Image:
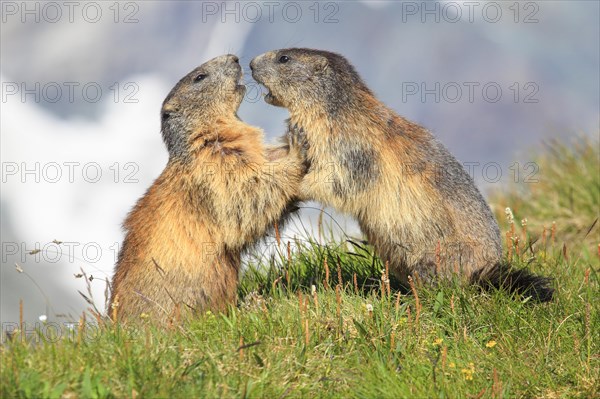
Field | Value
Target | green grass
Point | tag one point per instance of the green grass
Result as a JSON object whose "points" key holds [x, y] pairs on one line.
{"points": [[561, 185], [346, 340]]}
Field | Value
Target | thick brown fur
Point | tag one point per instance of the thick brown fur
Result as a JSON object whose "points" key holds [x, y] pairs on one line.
{"points": [[221, 190], [413, 200]]}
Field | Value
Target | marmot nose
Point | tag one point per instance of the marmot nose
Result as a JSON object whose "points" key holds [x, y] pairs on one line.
{"points": [[234, 58], [252, 65]]}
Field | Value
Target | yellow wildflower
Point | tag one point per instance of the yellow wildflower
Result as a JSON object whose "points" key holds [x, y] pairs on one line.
{"points": [[468, 373], [491, 344]]}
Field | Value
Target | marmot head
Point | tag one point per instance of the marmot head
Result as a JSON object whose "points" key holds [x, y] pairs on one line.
{"points": [[211, 91], [301, 79]]}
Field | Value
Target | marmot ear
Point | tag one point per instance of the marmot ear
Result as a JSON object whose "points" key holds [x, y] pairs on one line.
{"points": [[321, 64]]}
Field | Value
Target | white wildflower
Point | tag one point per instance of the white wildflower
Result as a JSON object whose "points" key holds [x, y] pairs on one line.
{"points": [[509, 215]]}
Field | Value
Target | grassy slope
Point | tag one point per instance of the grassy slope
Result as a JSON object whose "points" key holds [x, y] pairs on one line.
{"points": [[453, 341]]}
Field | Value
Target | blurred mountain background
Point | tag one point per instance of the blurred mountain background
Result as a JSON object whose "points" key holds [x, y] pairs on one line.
{"points": [[82, 85]]}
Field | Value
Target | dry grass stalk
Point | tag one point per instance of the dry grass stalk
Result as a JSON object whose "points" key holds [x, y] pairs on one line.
{"points": [[98, 316], [496, 385], [307, 332], [417, 301], [277, 234], [576, 343], [438, 259], [338, 299], [315, 298], [509, 246], [289, 264], [148, 337], [397, 306], [544, 233], [339, 272], [241, 348], [301, 303], [320, 223], [278, 279], [326, 282], [174, 317], [444, 356], [387, 278], [114, 308], [80, 328]]}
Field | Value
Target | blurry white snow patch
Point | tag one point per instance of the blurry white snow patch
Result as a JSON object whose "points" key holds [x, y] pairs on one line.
{"points": [[75, 180]]}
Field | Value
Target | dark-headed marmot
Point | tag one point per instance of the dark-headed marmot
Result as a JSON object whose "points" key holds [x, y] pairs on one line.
{"points": [[217, 194], [411, 197]]}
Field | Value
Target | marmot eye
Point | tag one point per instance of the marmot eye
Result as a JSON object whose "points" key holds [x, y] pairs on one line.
{"points": [[200, 77], [283, 59]]}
